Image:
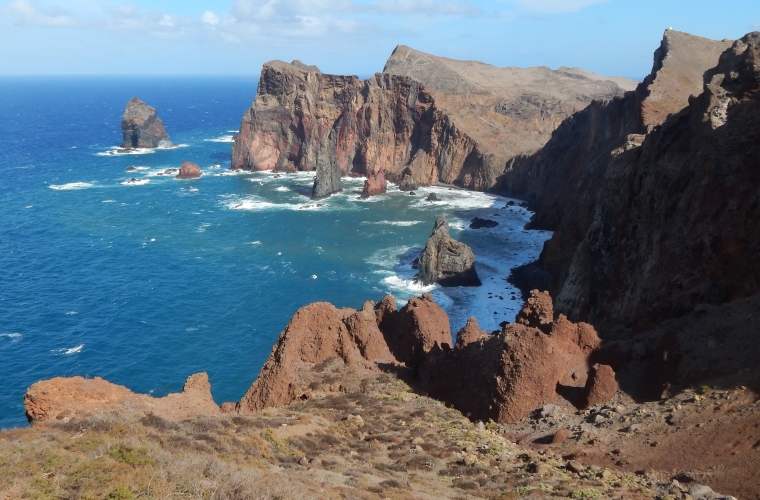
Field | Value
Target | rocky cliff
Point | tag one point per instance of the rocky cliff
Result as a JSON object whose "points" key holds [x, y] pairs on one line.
{"points": [[677, 219], [445, 260], [453, 121], [141, 126], [564, 178]]}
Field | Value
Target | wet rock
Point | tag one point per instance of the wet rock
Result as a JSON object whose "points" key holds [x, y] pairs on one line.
{"points": [[131, 169], [408, 184], [447, 261], [478, 223], [374, 185], [141, 127], [189, 170], [432, 197]]}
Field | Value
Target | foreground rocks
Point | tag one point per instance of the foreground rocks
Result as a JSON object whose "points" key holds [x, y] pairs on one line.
{"points": [[141, 127], [445, 260], [60, 398], [188, 170]]}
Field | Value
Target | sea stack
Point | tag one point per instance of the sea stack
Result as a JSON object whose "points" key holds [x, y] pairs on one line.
{"points": [[327, 180], [446, 261], [141, 126], [189, 170], [375, 184]]}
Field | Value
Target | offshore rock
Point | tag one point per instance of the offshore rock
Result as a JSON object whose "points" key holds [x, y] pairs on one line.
{"points": [[446, 261], [141, 127], [327, 181], [68, 397], [419, 130], [479, 223], [189, 170], [374, 185]]}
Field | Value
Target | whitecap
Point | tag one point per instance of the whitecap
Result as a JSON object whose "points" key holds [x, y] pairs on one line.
{"points": [[223, 138], [402, 223], [124, 152], [109, 201], [69, 351], [15, 337], [255, 243], [30, 206], [313, 276], [71, 186], [71, 313], [202, 227], [136, 182], [282, 189], [408, 286]]}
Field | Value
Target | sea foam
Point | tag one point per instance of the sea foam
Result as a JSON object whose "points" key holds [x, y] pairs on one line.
{"points": [[71, 186]]}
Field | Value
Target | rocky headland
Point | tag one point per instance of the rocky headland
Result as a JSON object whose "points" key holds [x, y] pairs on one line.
{"points": [[141, 126], [633, 376]]}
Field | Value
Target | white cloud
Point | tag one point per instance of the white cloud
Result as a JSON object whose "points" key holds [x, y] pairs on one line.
{"points": [[210, 18], [167, 20], [556, 6], [26, 12]]}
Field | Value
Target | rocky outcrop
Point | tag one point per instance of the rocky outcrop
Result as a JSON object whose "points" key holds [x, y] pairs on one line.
{"points": [[580, 155], [479, 223], [189, 170], [445, 260], [417, 133], [374, 185], [676, 219], [60, 398], [141, 127], [505, 376]]}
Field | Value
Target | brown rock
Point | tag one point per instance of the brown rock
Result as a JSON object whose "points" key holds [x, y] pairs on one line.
{"points": [[470, 333], [418, 327], [561, 436], [141, 127], [374, 185], [538, 311], [189, 170], [445, 260], [78, 397], [601, 386]]}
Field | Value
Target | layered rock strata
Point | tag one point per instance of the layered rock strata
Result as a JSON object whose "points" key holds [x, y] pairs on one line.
{"points": [[428, 132], [63, 397], [565, 180], [445, 260], [141, 127], [189, 170]]}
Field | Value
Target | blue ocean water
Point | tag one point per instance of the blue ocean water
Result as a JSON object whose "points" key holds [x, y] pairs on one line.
{"points": [[145, 283]]}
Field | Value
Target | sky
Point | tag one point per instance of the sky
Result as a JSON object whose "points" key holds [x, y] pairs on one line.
{"points": [[235, 37]]}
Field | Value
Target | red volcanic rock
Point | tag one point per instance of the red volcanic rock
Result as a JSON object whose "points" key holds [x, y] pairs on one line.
{"points": [[189, 170], [414, 330], [561, 436], [60, 397], [316, 333], [601, 386], [375, 184], [504, 377], [469, 333], [141, 127], [537, 312]]}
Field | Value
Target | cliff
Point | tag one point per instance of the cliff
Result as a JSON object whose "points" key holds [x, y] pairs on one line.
{"points": [[425, 118], [141, 127], [564, 178]]}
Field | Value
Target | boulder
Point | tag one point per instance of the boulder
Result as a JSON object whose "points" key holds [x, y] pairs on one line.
{"points": [[601, 386], [67, 397], [432, 197], [478, 223], [375, 184], [189, 170], [141, 127], [447, 261], [408, 184]]}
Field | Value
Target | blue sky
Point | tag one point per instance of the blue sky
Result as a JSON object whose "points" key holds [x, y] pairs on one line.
{"points": [[235, 37]]}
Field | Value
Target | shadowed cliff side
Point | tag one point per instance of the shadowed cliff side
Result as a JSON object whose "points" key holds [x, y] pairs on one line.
{"points": [[565, 177]]}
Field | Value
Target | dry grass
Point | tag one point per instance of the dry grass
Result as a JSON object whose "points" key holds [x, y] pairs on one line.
{"points": [[404, 446]]}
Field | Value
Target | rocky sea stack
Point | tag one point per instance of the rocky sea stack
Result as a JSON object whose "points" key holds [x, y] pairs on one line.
{"points": [[446, 261], [189, 170], [141, 126]]}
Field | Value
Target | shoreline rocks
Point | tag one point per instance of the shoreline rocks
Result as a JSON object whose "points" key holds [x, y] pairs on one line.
{"points": [[374, 185], [141, 127], [478, 223], [446, 261]]}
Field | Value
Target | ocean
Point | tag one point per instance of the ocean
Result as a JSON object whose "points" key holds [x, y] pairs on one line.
{"points": [[148, 282]]}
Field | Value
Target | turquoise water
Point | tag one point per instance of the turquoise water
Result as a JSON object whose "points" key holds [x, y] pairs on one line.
{"points": [[146, 283]]}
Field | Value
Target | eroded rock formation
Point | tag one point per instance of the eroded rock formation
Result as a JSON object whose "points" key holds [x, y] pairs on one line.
{"points": [[417, 133], [141, 127], [445, 260], [374, 185], [63, 397], [189, 170]]}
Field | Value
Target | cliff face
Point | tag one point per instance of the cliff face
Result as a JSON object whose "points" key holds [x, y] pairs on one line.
{"points": [[565, 177], [141, 127], [432, 131], [677, 219]]}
